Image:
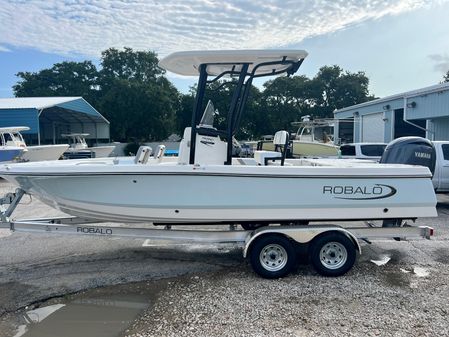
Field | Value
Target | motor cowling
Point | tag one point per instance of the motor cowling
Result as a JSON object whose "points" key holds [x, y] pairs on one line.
{"points": [[412, 151]]}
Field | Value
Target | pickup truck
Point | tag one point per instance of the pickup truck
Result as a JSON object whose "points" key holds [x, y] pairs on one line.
{"points": [[441, 175], [371, 151]]}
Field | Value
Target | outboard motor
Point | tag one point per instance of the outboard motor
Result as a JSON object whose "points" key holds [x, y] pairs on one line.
{"points": [[412, 151]]}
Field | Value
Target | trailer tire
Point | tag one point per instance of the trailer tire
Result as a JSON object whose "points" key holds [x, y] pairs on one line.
{"points": [[332, 254], [272, 256]]}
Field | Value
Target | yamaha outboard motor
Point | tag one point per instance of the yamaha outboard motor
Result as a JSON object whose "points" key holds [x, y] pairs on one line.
{"points": [[412, 151]]}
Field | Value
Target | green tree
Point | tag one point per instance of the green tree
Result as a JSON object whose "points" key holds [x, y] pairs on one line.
{"points": [[184, 113], [63, 79], [130, 65], [250, 123], [130, 90], [285, 100], [334, 88], [135, 96]]}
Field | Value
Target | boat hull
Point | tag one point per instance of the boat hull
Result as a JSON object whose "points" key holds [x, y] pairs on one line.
{"points": [[44, 152], [102, 151], [188, 194], [8, 154], [306, 149]]}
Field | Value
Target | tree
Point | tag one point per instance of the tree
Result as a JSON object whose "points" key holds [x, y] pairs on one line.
{"points": [[221, 94], [129, 90], [130, 65], [284, 100], [446, 77], [63, 79], [184, 113], [135, 96], [335, 89]]}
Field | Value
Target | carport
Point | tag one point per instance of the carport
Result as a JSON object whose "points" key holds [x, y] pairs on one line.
{"points": [[49, 117]]}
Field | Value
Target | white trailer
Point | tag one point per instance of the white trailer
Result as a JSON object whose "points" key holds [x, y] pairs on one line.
{"points": [[271, 250]]}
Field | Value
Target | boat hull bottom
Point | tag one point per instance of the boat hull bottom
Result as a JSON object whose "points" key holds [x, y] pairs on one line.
{"points": [[238, 215]]}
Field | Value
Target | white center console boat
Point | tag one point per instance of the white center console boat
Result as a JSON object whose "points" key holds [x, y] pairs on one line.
{"points": [[79, 149], [13, 138], [206, 185]]}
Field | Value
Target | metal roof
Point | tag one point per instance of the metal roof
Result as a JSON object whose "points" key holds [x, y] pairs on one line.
{"points": [[34, 102], [412, 93], [55, 108]]}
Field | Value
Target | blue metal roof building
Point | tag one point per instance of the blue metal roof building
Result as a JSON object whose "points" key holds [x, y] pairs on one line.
{"points": [[49, 117], [423, 112]]}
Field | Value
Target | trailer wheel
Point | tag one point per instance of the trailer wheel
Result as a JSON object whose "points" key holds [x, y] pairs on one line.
{"points": [[332, 254], [272, 256]]}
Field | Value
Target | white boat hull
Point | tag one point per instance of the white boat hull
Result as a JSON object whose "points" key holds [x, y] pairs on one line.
{"points": [[193, 194], [44, 152], [102, 151]]}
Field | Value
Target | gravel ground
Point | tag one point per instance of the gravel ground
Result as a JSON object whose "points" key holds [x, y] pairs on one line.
{"points": [[369, 301]]}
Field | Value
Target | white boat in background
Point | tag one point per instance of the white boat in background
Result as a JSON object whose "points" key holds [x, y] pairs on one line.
{"points": [[13, 139], [8, 152], [204, 184], [79, 149], [313, 139]]}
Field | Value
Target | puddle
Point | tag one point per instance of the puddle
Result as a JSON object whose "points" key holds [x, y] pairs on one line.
{"points": [[104, 312]]}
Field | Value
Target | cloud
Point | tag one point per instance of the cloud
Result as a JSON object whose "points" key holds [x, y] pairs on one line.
{"points": [[86, 27], [441, 62], [4, 49]]}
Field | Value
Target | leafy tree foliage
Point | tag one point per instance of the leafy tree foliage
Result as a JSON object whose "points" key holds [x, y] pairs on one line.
{"points": [[284, 100], [287, 99], [131, 91], [251, 122], [63, 79], [137, 99], [336, 89], [126, 64]]}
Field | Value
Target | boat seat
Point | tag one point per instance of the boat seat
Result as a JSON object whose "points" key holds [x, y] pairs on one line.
{"points": [[281, 141], [263, 157], [143, 154]]}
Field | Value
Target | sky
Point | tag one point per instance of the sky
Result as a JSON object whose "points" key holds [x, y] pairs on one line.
{"points": [[401, 44]]}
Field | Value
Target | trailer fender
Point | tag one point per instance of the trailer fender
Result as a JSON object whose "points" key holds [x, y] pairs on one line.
{"points": [[299, 234]]}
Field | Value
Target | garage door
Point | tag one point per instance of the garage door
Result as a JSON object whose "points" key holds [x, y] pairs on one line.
{"points": [[373, 128]]}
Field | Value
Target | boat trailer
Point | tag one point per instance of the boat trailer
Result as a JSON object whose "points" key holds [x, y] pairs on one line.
{"points": [[271, 250]]}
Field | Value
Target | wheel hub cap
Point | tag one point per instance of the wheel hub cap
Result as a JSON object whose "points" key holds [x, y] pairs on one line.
{"points": [[273, 257], [333, 255]]}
